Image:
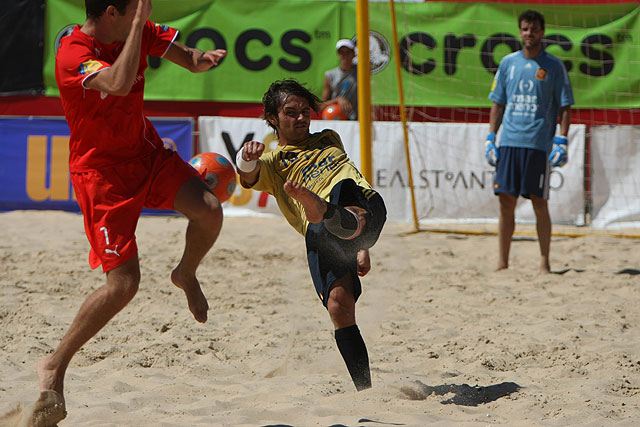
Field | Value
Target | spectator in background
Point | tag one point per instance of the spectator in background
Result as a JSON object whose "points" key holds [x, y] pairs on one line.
{"points": [[341, 83], [531, 91]]}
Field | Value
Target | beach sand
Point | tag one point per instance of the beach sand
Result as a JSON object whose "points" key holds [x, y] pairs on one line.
{"points": [[451, 342]]}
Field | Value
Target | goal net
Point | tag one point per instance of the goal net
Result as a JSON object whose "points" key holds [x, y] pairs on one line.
{"points": [[449, 52]]}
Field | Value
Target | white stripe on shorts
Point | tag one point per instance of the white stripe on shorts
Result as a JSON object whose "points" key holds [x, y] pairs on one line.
{"points": [[544, 182]]}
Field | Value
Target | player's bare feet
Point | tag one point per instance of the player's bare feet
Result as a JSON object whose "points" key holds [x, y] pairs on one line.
{"points": [[362, 218], [503, 262], [314, 206], [364, 262], [545, 267], [47, 411], [49, 408], [48, 377], [196, 300]]}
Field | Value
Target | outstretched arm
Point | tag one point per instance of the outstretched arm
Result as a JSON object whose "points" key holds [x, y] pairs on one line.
{"points": [[247, 162], [193, 59], [120, 77]]}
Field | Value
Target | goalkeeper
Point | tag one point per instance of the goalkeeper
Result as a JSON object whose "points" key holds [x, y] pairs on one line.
{"points": [[326, 199], [531, 91]]}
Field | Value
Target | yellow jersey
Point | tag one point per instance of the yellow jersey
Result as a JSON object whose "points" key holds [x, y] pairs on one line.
{"points": [[318, 163]]}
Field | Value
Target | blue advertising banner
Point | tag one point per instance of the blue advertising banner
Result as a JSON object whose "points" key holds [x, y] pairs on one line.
{"points": [[34, 160]]}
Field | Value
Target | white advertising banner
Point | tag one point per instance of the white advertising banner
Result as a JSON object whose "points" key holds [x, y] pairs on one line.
{"points": [[452, 181], [615, 164]]}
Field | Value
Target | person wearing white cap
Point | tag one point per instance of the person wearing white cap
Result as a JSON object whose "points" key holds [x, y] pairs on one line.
{"points": [[341, 83]]}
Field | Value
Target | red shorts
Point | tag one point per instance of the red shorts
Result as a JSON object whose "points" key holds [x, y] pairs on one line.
{"points": [[112, 199]]}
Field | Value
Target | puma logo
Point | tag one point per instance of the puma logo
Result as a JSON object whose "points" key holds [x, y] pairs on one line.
{"points": [[106, 238], [114, 251]]}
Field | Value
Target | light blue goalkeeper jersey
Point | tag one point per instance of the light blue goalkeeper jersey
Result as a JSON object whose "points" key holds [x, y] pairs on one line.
{"points": [[533, 90]]}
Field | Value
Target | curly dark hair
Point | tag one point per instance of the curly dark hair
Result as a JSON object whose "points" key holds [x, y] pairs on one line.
{"points": [[95, 8], [531, 16], [278, 93]]}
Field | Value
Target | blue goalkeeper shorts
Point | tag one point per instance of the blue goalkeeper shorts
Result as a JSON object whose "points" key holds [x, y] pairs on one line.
{"points": [[522, 172]]}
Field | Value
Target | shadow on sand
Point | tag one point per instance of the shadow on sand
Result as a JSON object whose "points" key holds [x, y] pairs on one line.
{"points": [[566, 270], [361, 420], [464, 394], [629, 271]]}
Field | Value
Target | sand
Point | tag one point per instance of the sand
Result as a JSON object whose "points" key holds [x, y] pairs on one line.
{"points": [[451, 342]]}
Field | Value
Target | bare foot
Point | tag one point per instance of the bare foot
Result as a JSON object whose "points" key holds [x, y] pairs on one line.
{"points": [[47, 411], [501, 267], [364, 262], [314, 206], [362, 219], [196, 300], [48, 377], [545, 267]]}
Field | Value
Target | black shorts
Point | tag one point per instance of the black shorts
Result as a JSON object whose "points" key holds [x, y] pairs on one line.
{"points": [[330, 257]]}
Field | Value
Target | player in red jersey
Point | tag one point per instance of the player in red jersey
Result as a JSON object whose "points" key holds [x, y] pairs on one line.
{"points": [[118, 166]]}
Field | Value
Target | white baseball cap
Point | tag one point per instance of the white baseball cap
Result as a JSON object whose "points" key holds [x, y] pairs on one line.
{"points": [[345, 43]]}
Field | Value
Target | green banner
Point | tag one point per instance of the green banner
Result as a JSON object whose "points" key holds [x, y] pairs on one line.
{"points": [[449, 51]]}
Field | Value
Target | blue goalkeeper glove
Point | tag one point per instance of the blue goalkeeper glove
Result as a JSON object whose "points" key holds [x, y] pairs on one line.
{"points": [[490, 149], [558, 156]]}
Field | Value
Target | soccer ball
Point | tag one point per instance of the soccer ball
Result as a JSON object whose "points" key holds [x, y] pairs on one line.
{"points": [[217, 172], [333, 112]]}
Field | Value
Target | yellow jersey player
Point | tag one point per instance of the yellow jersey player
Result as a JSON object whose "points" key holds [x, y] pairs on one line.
{"points": [[325, 198]]}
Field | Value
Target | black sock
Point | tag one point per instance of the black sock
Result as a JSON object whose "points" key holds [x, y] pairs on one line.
{"points": [[354, 353]]}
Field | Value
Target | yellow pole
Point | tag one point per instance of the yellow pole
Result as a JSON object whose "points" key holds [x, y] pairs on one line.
{"points": [[364, 88], [403, 115]]}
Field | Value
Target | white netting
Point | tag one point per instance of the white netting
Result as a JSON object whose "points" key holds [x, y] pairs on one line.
{"points": [[449, 52]]}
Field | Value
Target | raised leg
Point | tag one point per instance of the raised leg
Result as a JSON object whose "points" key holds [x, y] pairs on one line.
{"points": [[202, 208], [314, 206], [343, 222]]}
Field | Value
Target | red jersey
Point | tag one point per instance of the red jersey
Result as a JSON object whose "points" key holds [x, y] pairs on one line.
{"points": [[106, 129]]}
